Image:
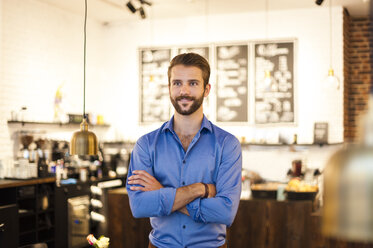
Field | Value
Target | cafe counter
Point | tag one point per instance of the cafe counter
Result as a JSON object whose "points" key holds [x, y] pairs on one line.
{"points": [[259, 223]]}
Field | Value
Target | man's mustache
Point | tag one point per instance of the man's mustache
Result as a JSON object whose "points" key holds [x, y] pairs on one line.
{"points": [[190, 98]]}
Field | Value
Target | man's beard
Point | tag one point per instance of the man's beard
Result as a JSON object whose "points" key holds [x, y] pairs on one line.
{"points": [[197, 102]]}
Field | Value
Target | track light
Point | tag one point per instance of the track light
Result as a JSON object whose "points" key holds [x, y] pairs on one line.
{"points": [[131, 7], [319, 2], [142, 13], [145, 2]]}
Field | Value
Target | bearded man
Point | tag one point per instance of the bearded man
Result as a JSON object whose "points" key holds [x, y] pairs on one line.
{"points": [[186, 175]]}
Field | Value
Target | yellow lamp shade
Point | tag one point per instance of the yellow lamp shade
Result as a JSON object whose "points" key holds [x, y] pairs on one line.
{"points": [[83, 142]]}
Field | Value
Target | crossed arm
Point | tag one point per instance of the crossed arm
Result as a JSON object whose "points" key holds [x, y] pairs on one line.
{"points": [[149, 198], [184, 195]]}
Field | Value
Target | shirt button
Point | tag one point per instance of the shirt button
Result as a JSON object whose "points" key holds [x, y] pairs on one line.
{"points": [[183, 161], [183, 183], [184, 226]]}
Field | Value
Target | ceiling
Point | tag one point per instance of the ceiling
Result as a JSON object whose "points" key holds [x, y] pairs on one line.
{"points": [[108, 11]]}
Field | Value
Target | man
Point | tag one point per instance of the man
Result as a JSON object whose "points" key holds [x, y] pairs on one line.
{"points": [[186, 175]]}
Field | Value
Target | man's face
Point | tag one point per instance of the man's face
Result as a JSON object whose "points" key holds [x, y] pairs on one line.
{"points": [[186, 89]]}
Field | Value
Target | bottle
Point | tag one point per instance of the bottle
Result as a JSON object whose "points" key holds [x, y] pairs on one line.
{"points": [[102, 242], [295, 139]]}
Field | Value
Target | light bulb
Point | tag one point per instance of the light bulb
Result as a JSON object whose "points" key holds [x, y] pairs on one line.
{"points": [[332, 81], [267, 80]]}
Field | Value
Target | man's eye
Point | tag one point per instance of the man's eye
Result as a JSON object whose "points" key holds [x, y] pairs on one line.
{"points": [[193, 83], [176, 83]]}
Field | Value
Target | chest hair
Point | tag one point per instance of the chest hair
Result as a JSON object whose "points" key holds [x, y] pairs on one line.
{"points": [[185, 140]]}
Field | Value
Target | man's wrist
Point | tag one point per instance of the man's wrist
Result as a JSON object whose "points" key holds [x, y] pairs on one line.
{"points": [[206, 187]]}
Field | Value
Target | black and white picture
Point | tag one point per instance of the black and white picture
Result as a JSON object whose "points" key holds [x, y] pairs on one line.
{"points": [[232, 83], [154, 96], [274, 82], [203, 51]]}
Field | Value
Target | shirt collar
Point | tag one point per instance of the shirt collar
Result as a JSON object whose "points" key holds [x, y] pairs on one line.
{"points": [[170, 125]]}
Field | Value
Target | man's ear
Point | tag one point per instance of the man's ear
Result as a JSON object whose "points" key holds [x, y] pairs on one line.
{"points": [[207, 90]]}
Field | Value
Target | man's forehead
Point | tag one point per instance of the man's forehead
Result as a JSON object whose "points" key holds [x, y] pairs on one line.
{"points": [[183, 70]]}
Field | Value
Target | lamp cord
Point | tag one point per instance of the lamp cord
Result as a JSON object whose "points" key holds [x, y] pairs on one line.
{"points": [[266, 19], [330, 33], [207, 10], [85, 34]]}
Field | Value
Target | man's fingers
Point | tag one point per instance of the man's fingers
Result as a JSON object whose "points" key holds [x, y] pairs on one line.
{"points": [[139, 182], [139, 177], [136, 188], [143, 178], [143, 173]]}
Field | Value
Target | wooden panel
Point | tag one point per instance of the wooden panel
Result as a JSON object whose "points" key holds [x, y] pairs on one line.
{"points": [[297, 222], [267, 223], [258, 224], [124, 230]]}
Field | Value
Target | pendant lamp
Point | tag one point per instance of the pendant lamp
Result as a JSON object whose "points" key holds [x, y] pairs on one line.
{"points": [[348, 187], [268, 80], [84, 142], [331, 79]]}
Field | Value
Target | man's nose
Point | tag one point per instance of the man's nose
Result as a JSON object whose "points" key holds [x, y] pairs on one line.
{"points": [[184, 90]]}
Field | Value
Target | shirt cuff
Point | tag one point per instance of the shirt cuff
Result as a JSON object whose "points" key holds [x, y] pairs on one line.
{"points": [[194, 210], [167, 197]]}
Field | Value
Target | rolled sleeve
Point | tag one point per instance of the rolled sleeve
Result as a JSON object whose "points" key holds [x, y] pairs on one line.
{"points": [[194, 210], [147, 203], [152, 203], [167, 198], [223, 207]]}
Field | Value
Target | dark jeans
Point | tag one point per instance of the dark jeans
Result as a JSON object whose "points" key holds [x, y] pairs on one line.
{"points": [[152, 246]]}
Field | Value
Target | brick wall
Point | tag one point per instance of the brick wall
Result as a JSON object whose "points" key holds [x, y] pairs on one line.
{"points": [[357, 51]]}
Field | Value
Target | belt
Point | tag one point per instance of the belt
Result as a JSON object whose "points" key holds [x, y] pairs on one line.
{"points": [[152, 246]]}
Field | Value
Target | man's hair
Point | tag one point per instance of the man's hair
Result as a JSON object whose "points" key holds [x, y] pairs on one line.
{"points": [[191, 59]]}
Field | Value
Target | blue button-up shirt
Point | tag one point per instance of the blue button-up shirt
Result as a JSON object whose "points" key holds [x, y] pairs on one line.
{"points": [[213, 157]]}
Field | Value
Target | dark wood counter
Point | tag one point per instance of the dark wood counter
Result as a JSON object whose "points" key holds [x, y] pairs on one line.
{"points": [[10, 183], [124, 230], [258, 224], [271, 223]]}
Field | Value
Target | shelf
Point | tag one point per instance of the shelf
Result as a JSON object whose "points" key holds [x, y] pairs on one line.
{"points": [[287, 145], [45, 228], [23, 233], [11, 183], [25, 213], [50, 210], [26, 197], [34, 123], [36, 224], [48, 240]]}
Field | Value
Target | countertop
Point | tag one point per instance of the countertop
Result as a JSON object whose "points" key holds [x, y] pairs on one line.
{"points": [[9, 183], [122, 190]]}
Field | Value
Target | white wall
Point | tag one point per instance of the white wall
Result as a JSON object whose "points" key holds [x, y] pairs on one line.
{"points": [[273, 163], [314, 102], [42, 46]]}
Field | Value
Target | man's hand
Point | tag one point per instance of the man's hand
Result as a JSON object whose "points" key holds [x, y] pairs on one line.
{"points": [[144, 179]]}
